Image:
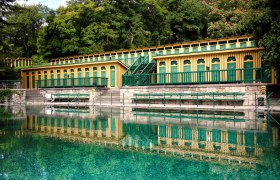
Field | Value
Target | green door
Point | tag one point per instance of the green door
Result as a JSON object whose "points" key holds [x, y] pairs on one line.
{"points": [[87, 78], [27, 82], [52, 80], [80, 83], [39, 81], [201, 134], [58, 80], [248, 72], [231, 73], [215, 72], [162, 71], [33, 81], [45, 80], [65, 80], [103, 75], [232, 137], [162, 131], [174, 74], [72, 79], [174, 132], [201, 73], [112, 76], [94, 77], [187, 74], [216, 135]]}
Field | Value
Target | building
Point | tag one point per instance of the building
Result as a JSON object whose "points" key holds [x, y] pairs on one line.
{"points": [[19, 62], [225, 60]]}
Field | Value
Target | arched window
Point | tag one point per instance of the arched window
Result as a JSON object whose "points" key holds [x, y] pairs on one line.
{"points": [[187, 62], [174, 63], [200, 61], [231, 58], [248, 57], [215, 60]]}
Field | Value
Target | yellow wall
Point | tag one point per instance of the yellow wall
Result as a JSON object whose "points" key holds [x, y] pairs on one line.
{"points": [[223, 57], [36, 72], [126, 56], [18, 62]]}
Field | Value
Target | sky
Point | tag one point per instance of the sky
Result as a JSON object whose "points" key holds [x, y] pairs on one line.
{"points": [[53, 4]]}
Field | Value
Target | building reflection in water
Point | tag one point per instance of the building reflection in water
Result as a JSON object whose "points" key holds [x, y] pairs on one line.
{"points": [[224, 137]]}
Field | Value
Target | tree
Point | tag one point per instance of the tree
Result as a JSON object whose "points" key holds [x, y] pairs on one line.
{"points": [[224, 17], [21, 32], [263, 21], [7, 72], [188, 20], [6, 8]]}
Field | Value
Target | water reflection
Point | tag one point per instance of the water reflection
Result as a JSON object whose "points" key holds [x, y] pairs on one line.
{"points": [[216, 136]]}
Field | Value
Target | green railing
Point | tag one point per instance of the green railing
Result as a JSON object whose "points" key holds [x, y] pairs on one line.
{"points": [[142, 65], [247, 75], [149, 68], [73, 82], [134, 65], [222, 47], [10, 84]]}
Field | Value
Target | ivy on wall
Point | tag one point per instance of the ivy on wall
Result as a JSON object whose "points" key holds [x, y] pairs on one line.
{"points": [[6, 94]]}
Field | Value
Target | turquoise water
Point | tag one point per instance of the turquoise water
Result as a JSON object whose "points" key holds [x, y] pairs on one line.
{"points": [[65, 143]]}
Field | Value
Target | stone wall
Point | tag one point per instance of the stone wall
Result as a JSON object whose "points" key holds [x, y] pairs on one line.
{"points": [[94, 93], [252, 91]]}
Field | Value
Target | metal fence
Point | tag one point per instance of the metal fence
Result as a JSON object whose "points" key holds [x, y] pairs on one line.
{"points": [[73, 82], [246, 75], [11, 84]]}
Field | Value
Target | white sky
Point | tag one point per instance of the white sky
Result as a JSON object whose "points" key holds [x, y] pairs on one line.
{"points": [[53, 4]]}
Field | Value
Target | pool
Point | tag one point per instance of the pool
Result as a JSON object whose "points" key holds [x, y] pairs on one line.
{"points": [[136, 143]]}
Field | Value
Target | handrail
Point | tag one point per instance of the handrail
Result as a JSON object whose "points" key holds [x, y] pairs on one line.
{"points": [[153, 63], [138, 60], [10, 84], [146, 59], [73, 82], [246, 75]]}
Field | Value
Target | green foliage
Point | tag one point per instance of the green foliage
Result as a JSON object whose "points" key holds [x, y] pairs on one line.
{"points": [[20, 33], [263, 21], [224, 17], [5, 94], [5, 113], [38, 59], [86, 26], [8, 73]]}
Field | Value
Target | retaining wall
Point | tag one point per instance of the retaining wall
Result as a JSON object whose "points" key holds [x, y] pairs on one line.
{"points": [[252, 91]]}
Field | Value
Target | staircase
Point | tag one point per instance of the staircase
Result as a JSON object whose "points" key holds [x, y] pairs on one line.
{"points": [[149, 68], [33, 95], [141, 66], [111, 96]]}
